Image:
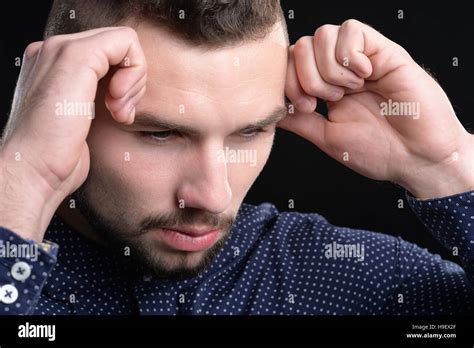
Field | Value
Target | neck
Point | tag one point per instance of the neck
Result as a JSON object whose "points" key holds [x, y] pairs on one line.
{"points": [[74, 218]]}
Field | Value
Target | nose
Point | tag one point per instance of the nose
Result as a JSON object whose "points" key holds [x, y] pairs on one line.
{"points": [[206, 184]]}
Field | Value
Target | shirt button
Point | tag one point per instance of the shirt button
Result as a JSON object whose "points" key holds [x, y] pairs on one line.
{"points": [[21, 270], [8, 294]]}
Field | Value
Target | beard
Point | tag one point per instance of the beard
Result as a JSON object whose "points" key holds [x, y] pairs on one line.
{"points": [[112, 229]]}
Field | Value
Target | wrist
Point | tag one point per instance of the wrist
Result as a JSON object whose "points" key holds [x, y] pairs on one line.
{"points": [[25, 202], [452, 176]]}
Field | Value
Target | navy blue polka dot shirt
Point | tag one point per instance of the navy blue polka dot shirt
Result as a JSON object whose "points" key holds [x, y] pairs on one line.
{"points": [[273, 263]]}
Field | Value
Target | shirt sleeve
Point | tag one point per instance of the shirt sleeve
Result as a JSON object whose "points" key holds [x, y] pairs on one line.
{"points": [[24, 267], [426, 283]]}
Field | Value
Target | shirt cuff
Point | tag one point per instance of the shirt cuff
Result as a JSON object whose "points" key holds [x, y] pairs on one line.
{"points": [[451, 221], [24, 269]]}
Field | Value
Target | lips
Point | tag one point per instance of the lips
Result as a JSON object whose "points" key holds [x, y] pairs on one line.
{"points": [[188, 239], [194, 232]]}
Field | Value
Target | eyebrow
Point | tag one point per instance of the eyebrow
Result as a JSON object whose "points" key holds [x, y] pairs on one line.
{"points": [[149, 120]]}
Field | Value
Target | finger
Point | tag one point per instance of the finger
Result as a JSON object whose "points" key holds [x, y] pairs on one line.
{"points": [[57, 43], [126, 112], [119, 47], [32, 50], [55, 46], [325, 40], [308, 73], [311, 126], [30, 57], [59, 39], [97, 53], [133, 103], [350, 49], [293, 89], [384, 55], [113, 104], [123, 82]]}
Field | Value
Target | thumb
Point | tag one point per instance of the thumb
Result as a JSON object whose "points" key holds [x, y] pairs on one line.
{"points": [[311, 126]]}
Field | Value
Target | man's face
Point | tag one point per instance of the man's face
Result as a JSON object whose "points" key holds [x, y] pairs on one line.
{"points": [[203, 132]]}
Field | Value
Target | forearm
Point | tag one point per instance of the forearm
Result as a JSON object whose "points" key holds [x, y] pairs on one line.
{"points": [[427, 284], [453, 176], [451, 221], [26, 204]]}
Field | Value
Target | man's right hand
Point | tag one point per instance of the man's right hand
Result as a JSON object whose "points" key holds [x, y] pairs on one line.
{"points": [[44, 155]]}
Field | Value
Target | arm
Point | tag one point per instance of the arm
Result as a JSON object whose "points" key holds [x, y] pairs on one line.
{"points": [[389, 120], [44, 155], [24, 268], [426, 283]]}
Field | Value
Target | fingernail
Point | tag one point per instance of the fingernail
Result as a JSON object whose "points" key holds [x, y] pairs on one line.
{"points": [[336, 95], [303, 104], [131, 114], [353, 85]]}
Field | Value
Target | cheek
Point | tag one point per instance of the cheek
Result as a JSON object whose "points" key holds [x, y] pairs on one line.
{"points": [[242, 175], [127, 171]]}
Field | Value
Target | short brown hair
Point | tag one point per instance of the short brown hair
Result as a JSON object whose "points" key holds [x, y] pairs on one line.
{"points": [[201, 22]]}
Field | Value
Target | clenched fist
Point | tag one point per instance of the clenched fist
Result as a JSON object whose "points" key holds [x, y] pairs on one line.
{"points": [[44, 155], [387, 118]]}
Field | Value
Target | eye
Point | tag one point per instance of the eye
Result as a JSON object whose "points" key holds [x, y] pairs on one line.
{"points": [[251, 133], [160, 137]]}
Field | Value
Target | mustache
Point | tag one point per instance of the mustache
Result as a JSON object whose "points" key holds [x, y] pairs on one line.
{"points": [[187, 216]]}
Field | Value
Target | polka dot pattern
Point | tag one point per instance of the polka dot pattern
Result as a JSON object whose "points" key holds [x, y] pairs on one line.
{"points": [[273, 263]]}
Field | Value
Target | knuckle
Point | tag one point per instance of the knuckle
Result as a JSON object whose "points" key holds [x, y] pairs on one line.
{"points": [[303, 44], [342, 55], [351, 23], [32, 49], [331, 75], [311, 87], [322, 32], [51, 45], [71, 50], [130, 33], [292, 92]]}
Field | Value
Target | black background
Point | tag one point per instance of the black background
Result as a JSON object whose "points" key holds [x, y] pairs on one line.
{"points": [[279, 331], [297, 170]]}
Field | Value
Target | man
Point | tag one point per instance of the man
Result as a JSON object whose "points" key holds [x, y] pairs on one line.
{"points": [[187, 98]]}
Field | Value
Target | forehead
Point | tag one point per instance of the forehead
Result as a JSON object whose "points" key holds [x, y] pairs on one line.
{"points": [[240, 76]]}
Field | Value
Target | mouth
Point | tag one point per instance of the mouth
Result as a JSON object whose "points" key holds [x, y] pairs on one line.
{"points": [[188, 239]]}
